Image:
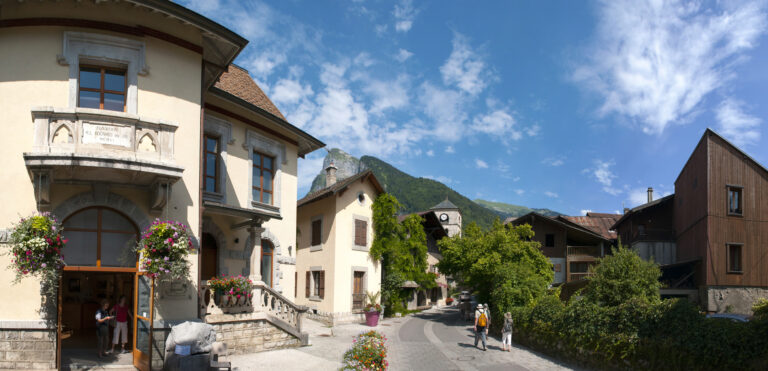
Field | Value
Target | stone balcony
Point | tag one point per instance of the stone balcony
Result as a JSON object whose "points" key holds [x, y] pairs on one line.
{"points": [[81, 145]]}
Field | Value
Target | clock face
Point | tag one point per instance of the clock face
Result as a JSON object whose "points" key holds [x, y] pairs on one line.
{"points": [[443, 217]]}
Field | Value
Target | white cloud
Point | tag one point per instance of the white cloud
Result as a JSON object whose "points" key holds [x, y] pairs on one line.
{"points": [[386, 95], [465, 68], [498, 123], [403, 55], [445, 108], [449, 149], [533, 130], [553, 161], [363, 59], [637, 196], [603, 174], [585, 211], [481, 164], [519, 192], [737, 126], [430, 153], [380, 29], [288, 92], [655, 61], [308, 168], [439, 178], [404, 15], [551, 194], [515, 179]]}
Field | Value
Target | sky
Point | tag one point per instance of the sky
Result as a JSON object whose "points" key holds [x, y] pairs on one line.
{"points": [[567, 105]]}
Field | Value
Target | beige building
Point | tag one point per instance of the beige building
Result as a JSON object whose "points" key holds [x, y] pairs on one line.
{"points": [[335, 232], [113, 114]]}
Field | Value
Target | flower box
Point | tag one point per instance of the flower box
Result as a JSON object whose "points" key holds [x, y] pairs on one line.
{"points": [[163, 250]]}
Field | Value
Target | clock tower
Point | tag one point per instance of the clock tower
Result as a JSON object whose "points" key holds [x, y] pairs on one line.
{"points": [[449, 216]]}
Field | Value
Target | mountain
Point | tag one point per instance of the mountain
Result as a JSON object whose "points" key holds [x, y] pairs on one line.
{"points": [[508, 210], [415, 194]]}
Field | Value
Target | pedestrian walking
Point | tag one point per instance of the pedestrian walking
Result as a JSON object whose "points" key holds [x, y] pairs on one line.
{"points": [[506, 333], [482, 322]]}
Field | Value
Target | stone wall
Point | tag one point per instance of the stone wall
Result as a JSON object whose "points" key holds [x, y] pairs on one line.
{"points": [[731, 299], [253, 335], [333, 319], [27, 349]]}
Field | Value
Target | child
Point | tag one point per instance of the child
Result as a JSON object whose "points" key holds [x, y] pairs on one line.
{"points": [[121, 313], [506, 333], [102, 328]]}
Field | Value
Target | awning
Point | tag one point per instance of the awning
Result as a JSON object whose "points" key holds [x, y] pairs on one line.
{"points": [[241, 216]]}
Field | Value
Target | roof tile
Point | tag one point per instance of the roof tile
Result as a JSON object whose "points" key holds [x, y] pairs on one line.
{"points": [[236, 81]]}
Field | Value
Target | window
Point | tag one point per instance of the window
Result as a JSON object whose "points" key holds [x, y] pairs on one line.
{"points": [[549, 240], [734, 258], [361, 198], [317, 284], [211, 164], [317, 232], [361, 232], [735, 200], [101, 88], [263, 178], [99, 237], [267, 249], [641, 230]]}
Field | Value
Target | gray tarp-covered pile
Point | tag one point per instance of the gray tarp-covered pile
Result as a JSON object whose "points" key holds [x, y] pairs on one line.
{"points": [[199, 337]]}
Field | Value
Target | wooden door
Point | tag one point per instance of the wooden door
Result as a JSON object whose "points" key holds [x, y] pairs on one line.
{"points": [[142, 321], [210, 258], [358, 290]]}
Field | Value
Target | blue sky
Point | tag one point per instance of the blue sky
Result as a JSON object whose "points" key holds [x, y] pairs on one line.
{"points": [[567, 105]]}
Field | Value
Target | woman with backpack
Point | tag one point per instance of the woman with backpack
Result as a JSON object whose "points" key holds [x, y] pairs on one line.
{"points": [[506, 333]]}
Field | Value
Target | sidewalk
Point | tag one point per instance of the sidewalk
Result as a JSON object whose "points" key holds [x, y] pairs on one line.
{"points": [[325, 351]]}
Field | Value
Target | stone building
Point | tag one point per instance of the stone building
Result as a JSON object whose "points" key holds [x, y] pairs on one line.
{"points": [[116, 113], [335, 228], [450, 216]]}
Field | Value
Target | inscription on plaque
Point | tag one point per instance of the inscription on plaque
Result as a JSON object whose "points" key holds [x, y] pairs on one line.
{"points": [[107, 134]]}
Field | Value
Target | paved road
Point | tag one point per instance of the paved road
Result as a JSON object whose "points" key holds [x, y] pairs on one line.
{"points": [[432, 340]]}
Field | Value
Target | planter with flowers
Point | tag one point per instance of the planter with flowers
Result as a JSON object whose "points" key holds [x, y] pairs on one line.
{"points": [[231, 291], [449, 301], [368, 352], [36, 243], [163, 250], [372, 309]]}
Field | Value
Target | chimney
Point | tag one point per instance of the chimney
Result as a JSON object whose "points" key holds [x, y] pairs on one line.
{"points": [[650, 194], [330, 175]]}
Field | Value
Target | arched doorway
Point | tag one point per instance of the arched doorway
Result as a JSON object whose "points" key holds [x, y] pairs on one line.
{"points": [[210, 259], [102, 267], [267, 252]]}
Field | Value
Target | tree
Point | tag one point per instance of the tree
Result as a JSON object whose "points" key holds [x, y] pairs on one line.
{"points": [[623, 276], [502, 264], [401, 247]]}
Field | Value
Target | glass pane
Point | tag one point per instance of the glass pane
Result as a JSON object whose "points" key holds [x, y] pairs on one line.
{"points": [[267, 199], [267, 162], [142, 335], [89, 99], [210, 184], [90, 78], [211, 144], [266, 248], [83, 219], [80, 249], [143, 296], [256, 195], [266, 269], [113, 221], [256, 180], [114, 102], [256, 160], [116, 250], [267, 181], [210, 164], [114, 80]]}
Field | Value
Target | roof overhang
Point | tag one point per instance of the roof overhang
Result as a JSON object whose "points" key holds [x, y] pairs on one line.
{"points": [[533, 216], [242, 217], [306, 142]]}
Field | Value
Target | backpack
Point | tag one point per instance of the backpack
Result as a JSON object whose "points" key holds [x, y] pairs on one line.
{"points": [[482, 321], [508, 325]]}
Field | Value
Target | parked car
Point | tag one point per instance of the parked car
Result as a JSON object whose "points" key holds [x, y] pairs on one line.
{"points": [[730, 316], [465, 305]]}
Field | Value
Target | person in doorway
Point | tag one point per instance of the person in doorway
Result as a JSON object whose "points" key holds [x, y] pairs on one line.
{"points": [[121, 313], [506, 333], [482, 322], [102, 328]]}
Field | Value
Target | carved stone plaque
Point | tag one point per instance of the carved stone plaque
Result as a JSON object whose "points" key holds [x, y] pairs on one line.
{"points": [[107, 134]]}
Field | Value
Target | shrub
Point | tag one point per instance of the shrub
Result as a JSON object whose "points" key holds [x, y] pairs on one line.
{"points": [[622, 276], [368, 352], [760, 309]]}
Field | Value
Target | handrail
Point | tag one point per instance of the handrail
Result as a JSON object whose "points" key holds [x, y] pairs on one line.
{"points": [[272, 291]]}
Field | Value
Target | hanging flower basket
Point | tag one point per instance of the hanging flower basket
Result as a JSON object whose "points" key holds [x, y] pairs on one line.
{"points": [[163, 250], [233, 290], [36, 244]]}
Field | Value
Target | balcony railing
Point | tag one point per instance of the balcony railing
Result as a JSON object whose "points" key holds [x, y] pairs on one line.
{"points": [[264, 300], [584, 251], [579, 276]]}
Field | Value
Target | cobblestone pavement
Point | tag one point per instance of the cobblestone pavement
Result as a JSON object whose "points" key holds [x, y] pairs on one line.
{"points": [[432, 340]]}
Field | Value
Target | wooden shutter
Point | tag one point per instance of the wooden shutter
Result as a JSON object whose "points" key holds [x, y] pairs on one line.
{"points": [[361, 229], [306, 291], [321, 287], [295, 285], [316, 231]]}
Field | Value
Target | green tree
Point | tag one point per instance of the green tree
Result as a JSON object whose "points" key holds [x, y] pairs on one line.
{"points": [[623, 276], [401, 247], [502, 264]]}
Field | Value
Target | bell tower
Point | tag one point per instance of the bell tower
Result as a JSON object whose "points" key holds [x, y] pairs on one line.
{"points": [[449, 216]]}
